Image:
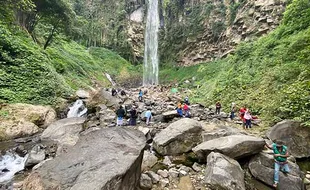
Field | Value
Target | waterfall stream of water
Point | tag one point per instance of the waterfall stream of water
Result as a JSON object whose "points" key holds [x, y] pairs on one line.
{"points": [[150, 69], [77, 109]]}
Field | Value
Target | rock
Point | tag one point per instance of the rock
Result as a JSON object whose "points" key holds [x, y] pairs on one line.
{"points": [[196, 167], [82, 94], [170, 114], [163, 182], [105, 97], [224, 173], [163, 173], [41, 163], [16, 129], [41, 116], [106, 116], [145, 182], [220, 131], [155, 178], [64, 131], [185, 183], [308, 176], [262, 168], [234, 146], [106, 159], [173, 173], [295, 137], [167, 161], [183, 173], [149, 160], [36, 155], [179, 137]]}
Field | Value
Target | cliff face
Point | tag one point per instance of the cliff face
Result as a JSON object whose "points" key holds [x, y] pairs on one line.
{"points": [[195, 31]]}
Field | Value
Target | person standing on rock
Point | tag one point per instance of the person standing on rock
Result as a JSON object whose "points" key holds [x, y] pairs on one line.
{"points": [[120, 115], [218, 107], [248, 119], [140, 95], [241, 114], [148, 115], [133, 116], [280, 155], [186, 100], [114, 92], [232, 111]]}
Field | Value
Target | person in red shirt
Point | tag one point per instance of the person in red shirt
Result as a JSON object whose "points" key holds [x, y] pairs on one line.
{"points": [[186, 110], [241, 114]]}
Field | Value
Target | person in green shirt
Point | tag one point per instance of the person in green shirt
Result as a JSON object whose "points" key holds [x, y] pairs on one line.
{"points": [[280, 156]]}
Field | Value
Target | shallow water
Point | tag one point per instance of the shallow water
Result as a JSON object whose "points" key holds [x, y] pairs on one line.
{"points": [[10, 164]]}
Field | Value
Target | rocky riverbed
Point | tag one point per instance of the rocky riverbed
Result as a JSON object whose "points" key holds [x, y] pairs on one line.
{"points": [[206, 151]]}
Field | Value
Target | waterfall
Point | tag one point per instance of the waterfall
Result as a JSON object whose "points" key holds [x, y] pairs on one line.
{"points": [[77, 109], [150, 69]]}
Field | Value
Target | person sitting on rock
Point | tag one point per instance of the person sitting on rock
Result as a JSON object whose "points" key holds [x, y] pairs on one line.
{"points": [[114, 92], [120, 115], [280, 155], [140, 95], [186, 110], [218, 107], [148, 115], [179, 109]]}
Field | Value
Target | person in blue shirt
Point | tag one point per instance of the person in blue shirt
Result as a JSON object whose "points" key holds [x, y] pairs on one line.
{"points": [[280, 157], [140, 95], [148, 115]]}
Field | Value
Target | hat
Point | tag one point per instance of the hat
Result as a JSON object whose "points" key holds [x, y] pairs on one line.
{"points": [[279, 143]]}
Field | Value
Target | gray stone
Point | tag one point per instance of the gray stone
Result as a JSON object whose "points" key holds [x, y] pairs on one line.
{"points": [[170, 114], [64, 131], [179, 137], [36, 155], [167, 161], [224, 173], [234, 146], [155, 177], [220, 131], [173, 173], [145, 182], [163, 173], [295, 137], [163, 182], [196, 167], [149, 160], [106, 159], [262, 168], [82, 94]]}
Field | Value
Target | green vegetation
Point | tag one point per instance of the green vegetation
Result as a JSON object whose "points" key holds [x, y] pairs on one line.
{"points": [[31, 75], [271, 75]]}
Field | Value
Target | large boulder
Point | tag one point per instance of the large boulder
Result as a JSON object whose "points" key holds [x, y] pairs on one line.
{"points": [[104, 97], [234, 146], [42, 116], [64, 131], [262, 168], [15, 129], [106, 159], [224, 173], [295, 136], [36, 155], [170, 114], [82, 94], [179, 137], [211, 132]]}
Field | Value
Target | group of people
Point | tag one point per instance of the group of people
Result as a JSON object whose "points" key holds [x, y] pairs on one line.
{"points": [[183, 110], [244, 113]]}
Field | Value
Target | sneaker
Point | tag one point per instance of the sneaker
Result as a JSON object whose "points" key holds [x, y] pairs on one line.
{"points": [[275, 185]]}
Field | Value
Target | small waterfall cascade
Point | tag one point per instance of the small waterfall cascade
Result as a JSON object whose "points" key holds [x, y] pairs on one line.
{"points": [[150, 68], [110, 79], [78, 109], [10, 163]]}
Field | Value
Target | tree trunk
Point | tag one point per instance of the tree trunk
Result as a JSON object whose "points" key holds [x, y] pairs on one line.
{"points": [[50, 37]]}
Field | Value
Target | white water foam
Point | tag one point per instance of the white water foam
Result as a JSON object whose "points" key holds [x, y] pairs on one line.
{"points": [[10, 164], [77, 109]]}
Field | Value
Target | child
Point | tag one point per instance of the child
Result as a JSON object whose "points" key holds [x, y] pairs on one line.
{"points": [[248, 118]]}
